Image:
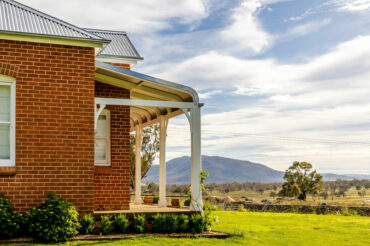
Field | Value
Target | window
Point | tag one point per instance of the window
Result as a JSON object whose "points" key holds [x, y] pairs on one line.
{"points": [[102, 139], [7, 121]]}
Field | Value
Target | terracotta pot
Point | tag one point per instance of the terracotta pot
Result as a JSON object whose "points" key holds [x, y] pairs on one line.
{"points": [[175, 203], [148, 200]]}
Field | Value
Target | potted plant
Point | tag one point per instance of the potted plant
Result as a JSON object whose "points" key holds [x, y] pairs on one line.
{"points": [[148, 200], [175, 203]]}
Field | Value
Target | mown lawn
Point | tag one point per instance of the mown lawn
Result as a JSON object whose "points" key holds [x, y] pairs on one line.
{"points": [[271, 229]]}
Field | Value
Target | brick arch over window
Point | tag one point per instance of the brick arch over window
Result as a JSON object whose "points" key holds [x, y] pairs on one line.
{"points": [[9, 69]]}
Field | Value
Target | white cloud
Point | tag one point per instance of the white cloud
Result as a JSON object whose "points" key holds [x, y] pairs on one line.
{"points": [[302, 16], [209, 94], [304, 29], [353, 5], [316, 111], [245, 31], [139, 16]]}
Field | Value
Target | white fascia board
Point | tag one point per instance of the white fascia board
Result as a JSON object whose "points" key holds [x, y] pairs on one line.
{"points": [[148, 103]]}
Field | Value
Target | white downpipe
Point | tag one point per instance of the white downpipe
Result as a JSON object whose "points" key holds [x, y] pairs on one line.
{"points": [[196, 160], [138, 199], [162, 161]]}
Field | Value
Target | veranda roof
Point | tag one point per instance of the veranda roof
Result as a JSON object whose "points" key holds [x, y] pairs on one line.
{"points": [[145, 87]]}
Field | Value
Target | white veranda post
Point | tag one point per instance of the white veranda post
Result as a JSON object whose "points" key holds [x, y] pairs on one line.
{"points": [[163, 122], [138, 199], [196, 159]]}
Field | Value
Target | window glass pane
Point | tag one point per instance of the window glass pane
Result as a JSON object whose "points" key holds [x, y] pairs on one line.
{"points": [[101, 130], [4, 142], [4, 103], [100, 149]]}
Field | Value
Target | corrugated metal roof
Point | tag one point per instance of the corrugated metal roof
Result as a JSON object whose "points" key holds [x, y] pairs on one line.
{"points": [[120, 45], [16, 17]]}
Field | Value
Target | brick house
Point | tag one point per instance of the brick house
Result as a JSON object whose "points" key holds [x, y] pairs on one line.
{"points": [[68, 103]]}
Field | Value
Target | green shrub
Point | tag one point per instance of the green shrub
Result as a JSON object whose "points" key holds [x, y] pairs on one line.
{"points": [[165, 223], [196, 224], [170, 224], [347, 212], [54, 220], [87, 224], [158, 223], [155, 199], [106, 225], [187, 202], [9, 219], [138, 225], [207, 220], [182, 223], [209, 206], [121, 223]]}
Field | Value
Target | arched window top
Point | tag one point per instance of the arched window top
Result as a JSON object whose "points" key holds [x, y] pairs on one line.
{"points": [[5, 78]]}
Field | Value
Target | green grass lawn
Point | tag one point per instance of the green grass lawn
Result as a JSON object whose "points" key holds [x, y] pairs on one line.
{"points": [[271, 229]]}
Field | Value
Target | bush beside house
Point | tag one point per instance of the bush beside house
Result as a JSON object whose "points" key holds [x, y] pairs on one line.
{"points": [[56, 220], [10, 220]]}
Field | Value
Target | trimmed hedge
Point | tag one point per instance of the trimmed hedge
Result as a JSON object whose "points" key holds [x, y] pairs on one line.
{"points": [[87, 224], [121, 223], [106, 225], [138, 225]]}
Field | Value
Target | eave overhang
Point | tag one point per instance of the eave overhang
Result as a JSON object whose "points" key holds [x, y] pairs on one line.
{"points": [[53, 39]]}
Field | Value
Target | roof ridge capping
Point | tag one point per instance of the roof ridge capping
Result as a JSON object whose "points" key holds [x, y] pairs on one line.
{"points": [[105, 31], [84, 34]]}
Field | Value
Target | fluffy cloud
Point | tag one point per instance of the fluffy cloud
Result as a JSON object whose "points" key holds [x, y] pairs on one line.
{"points": [[303, 29], [137, 16], [316, 111], [353, 5], [245, 31]]}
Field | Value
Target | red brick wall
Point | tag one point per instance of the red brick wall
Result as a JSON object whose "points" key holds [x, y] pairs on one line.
{"points": [[112, 184], [54, 123]]}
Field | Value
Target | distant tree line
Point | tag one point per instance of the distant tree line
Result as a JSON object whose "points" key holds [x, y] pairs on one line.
{"points": [[330, 189]]}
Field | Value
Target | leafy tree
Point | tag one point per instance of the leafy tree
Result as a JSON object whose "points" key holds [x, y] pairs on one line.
{"points": [[362, 193], [149, 150], [261, 190], [273, 194], [324, 195], [301, 181]]}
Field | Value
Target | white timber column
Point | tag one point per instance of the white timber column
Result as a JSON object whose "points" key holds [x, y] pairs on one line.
{"points": [[196, 160], [162, 161], [138, 199]]}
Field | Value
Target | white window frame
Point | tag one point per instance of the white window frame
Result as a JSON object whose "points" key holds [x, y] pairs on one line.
{"points": [[107, 161], [10, 81]]}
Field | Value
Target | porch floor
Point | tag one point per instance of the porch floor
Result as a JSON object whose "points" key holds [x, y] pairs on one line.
{"points": [[145, 209]]}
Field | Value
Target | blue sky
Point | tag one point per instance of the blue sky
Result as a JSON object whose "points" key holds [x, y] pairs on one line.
{"points": [[281, 80]]}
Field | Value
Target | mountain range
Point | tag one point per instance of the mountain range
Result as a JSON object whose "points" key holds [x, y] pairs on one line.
{"points": [[226, 170]]}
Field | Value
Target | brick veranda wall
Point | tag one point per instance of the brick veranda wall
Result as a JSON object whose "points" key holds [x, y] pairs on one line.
{"points": [[54, 123], [112, 184]]}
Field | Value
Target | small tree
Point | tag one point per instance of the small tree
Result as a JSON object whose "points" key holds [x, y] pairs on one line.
{"points": [[273, 194], [149, 150], [301, 181]]}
